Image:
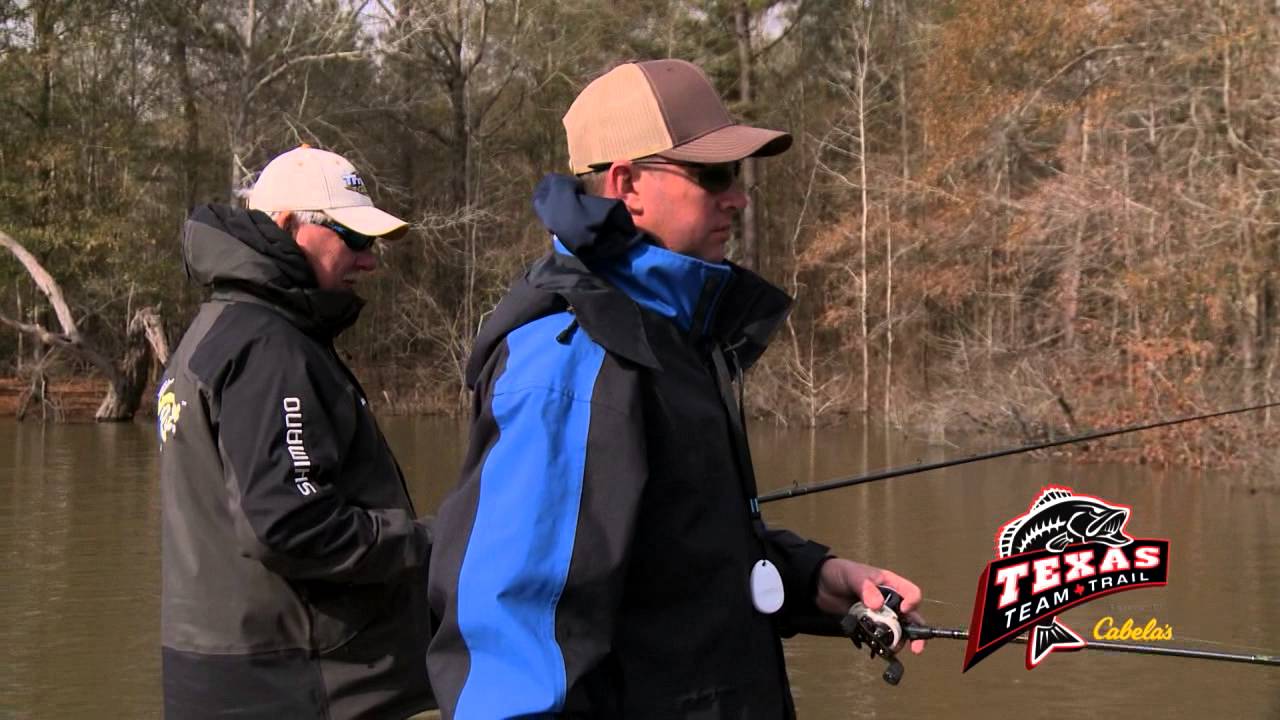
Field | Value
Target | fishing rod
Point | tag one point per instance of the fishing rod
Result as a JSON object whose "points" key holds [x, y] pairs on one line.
{"points": [[798, 490], [884, 634], [925, 632]]}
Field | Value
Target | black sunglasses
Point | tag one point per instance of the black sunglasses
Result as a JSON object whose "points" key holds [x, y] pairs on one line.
{"points": [[714, 179], [358, 242]]}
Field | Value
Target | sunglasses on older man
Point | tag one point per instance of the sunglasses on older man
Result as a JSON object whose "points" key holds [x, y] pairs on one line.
{"points": [[358, 242], [715, 178]]}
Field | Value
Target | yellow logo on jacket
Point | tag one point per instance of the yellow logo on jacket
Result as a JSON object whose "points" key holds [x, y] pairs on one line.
{"points": [[168, 410]]}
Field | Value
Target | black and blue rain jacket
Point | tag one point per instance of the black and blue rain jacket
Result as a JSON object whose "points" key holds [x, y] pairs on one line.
{"points": [[594, 560]]}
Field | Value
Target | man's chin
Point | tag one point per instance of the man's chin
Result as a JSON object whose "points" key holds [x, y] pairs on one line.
{"points": [[342, 288], [715, 255], [719, 250]]}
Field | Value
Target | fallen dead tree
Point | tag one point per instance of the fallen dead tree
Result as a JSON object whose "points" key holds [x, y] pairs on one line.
{"points": [[126, 377]]}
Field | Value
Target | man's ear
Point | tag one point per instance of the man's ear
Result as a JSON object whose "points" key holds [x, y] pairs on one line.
{"points": [[284, 220], [620, 183]]}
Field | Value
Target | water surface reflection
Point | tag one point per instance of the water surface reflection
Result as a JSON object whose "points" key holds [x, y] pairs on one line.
{"points": [[80, 576]]}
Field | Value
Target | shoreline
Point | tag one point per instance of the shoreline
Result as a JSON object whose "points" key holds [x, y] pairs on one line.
{"points": [[1239, 446]]}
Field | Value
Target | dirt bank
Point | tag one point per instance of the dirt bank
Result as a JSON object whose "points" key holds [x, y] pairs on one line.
{"points": [[70, 399]]}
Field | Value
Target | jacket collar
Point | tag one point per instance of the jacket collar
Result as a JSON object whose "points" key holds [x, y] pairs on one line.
{"points": [[680, 288], [720, 302], [242, 255]]}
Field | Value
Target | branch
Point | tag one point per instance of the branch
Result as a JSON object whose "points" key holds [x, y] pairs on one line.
{"points": [[450, 47], [39, 332], [150, 320], [62, 340], [30, 115], [497, 125], [271, 76], [484, 39], [800, 13], [45, 282], [1066, 68], [484, 109], [70, 336], [438, 136]]}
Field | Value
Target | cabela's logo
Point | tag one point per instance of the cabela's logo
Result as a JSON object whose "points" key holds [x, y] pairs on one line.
{"points": [[1067, 549], [1108, 629]]}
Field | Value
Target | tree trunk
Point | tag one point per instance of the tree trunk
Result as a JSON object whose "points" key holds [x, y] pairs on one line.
{"points": [[862, 55], [749, 256], [1071, 272], [241, 148], [18, 360], [888, 320], [190, 117], [44, 26], [1252, 328], [1077, 143], [461, 138], [408, 81], [144, 340], [37, 392], [905, 150]]}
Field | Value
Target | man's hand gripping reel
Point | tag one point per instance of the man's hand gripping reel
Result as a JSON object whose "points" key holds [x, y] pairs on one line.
{"points": [[880, 630]]}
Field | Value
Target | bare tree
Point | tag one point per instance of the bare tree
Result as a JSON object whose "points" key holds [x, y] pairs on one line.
{"points": [[256, 44], [747, 17], [850, 164]]}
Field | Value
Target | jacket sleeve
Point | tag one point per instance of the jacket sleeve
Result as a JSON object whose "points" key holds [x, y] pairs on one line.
{"points": [[528, 570], [798, 561], [283, 450]]}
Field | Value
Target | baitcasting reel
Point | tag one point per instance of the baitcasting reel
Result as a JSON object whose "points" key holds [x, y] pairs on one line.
{"points": [[880, 630]]}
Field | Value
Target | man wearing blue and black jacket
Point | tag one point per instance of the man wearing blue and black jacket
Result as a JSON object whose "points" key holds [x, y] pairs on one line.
{"points": [[601, 556]]}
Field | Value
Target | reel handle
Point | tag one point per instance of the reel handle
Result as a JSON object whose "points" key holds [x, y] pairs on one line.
{"points": [[892, 599], [880, 630]]}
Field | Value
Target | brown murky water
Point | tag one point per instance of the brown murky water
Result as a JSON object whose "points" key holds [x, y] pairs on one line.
{"points": [[79, 575]]}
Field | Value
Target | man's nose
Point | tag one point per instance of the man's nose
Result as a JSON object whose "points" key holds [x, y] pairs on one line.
{"points": [[366, 260], [735, 198]]}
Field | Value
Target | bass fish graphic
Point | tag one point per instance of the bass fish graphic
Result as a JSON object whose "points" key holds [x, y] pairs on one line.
{"points": [[168, 411], [1056, 520]]}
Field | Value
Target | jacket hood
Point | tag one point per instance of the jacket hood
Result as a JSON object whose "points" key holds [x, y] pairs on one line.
{"points": [[244, 255], [606, 269], [591, 228]]}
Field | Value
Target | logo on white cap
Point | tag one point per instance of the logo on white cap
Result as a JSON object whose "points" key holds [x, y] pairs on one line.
{"points": [[353, 182]]}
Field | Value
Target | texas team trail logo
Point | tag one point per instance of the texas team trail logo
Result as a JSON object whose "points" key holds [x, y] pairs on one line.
{"points": [[1067, 549]]}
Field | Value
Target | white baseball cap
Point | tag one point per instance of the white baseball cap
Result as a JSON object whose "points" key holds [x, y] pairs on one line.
{"points": [[308, 178]]}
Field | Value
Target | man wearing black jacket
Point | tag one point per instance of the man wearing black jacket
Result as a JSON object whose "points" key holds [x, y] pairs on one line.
{"points": [[603, 556], [293, 564]]}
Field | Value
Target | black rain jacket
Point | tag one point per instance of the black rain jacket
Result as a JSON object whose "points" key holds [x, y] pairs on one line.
{"points": [[293, 568]]}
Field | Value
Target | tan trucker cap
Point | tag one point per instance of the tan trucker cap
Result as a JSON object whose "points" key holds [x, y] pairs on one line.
{"points": [[308, 178], [659, 107]]}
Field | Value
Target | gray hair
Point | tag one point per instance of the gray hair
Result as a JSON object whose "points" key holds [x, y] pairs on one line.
{"points": [[303, 217], [593, 182]]}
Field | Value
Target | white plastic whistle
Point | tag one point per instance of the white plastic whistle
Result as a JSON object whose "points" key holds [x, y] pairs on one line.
{"points": [[766, 587]]}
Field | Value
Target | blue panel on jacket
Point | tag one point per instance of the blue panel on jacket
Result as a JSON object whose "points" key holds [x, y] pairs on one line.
{"points": [[516, 562], [665, 282]]}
